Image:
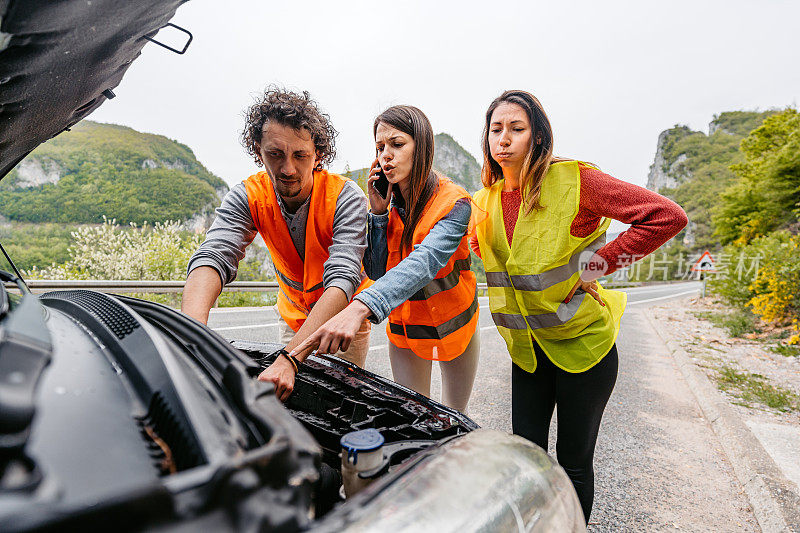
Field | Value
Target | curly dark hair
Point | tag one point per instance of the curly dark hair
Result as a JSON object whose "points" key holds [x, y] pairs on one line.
{"points": [[291, 109]]}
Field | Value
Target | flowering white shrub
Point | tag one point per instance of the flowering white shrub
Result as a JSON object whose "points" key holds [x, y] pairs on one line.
{"points": [[110, 252], [159, 252]]}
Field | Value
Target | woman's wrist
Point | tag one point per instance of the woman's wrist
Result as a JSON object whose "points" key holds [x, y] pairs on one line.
{"points": [[361, 309]]}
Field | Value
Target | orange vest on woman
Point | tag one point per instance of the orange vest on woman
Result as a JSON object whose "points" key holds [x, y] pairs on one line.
{"points": [[438, 321], [300, 282]]}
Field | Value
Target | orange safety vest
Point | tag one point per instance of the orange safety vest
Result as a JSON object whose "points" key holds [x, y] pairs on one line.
{"points": [[438, 321], [300, 282]]}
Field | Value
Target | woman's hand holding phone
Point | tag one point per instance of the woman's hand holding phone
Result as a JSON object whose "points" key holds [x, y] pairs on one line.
{"points": [[377, 203]]}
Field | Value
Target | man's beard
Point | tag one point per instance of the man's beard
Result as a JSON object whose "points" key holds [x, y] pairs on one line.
{"points": [[288, 190]]}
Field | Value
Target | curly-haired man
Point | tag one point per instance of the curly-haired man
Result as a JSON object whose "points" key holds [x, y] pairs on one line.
{"points": [[313, 222]]}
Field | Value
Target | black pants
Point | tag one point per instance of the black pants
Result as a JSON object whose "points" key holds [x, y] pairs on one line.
{"points": [[581, 399]]}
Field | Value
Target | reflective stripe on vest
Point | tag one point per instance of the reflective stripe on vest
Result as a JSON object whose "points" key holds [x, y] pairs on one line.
{"points": [[446, 283], [316, 287], [564, 313], [539, 282], [422, 331], [529, 279], [296, 285], [438, 321]]}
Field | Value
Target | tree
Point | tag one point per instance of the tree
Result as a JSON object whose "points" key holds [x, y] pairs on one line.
{"points": [[766, 194]]}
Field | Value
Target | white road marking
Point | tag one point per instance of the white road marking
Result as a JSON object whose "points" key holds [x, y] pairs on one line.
{"points": [[664, 297], [250, 326], [381, 347], [216, 311], [650, 288]]}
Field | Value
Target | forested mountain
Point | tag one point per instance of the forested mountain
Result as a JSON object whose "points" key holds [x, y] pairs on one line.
{"points": [[694, 168], [105, 169]]}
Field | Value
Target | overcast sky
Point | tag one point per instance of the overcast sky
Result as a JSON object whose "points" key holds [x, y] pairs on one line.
{"points": [[611, 75]]}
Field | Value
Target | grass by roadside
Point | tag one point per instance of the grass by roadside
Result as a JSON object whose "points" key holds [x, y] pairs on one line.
{"points": [[785, 350], [750, 387], [741, 323], [738, 323], [747, 388]]}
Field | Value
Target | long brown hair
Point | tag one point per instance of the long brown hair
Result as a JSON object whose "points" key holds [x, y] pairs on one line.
{"points": [[540, 152], [424, 183]]}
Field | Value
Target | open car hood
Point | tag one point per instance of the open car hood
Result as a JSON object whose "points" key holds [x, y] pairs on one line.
{"points": [[59, 61]]}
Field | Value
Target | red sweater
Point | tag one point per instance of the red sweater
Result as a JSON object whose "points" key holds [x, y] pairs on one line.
{"points": [[654, 219]]}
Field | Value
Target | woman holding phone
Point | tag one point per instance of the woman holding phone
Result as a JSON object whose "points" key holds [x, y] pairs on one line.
{"points": [[418, 253], [543, 247]]}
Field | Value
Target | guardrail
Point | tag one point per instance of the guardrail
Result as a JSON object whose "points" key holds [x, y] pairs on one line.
{"points": [[39, 286]]}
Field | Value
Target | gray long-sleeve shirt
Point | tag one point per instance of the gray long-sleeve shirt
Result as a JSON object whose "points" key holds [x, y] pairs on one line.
{"points": [[233, 230]]}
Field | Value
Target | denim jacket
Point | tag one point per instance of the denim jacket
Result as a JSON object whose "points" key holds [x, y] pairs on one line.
{"points": [[394, 287]]}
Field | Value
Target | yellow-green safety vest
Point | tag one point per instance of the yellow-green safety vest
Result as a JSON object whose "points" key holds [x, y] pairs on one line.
{"points": [[528, 281]]}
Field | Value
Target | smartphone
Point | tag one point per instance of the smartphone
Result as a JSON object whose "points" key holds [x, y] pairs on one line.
{"points": [[381, 184]]}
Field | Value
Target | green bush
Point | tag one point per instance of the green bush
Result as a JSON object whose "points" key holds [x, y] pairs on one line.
{"points": [[108, 251], [161, 252], [774, 294], [785, 350], [759, 215], [766, 193], [246, 299], [38, 245], [477, 267]]}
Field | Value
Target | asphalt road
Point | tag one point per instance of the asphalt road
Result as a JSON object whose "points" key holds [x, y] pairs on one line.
{"points": [[261, 323], [658, 464]]}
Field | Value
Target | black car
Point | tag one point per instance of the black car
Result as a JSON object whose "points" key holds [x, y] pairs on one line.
{"points": [[117, 412]]}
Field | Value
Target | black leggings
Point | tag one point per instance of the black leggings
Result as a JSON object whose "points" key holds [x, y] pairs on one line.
{"points": [[581, 399]]}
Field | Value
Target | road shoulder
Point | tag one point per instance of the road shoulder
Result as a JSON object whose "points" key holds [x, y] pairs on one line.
{"points": [[773, 497]]}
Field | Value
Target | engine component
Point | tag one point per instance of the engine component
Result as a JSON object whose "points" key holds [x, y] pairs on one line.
{"points": [[362, 451]]}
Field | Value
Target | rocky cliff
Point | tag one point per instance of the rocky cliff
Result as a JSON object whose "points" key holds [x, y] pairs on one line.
{"points": [[693, 168], [451, 159], [664, 174]]}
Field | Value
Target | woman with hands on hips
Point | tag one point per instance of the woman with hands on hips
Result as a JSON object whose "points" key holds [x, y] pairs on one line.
{"points": [[418, 253], [544, 247]]}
